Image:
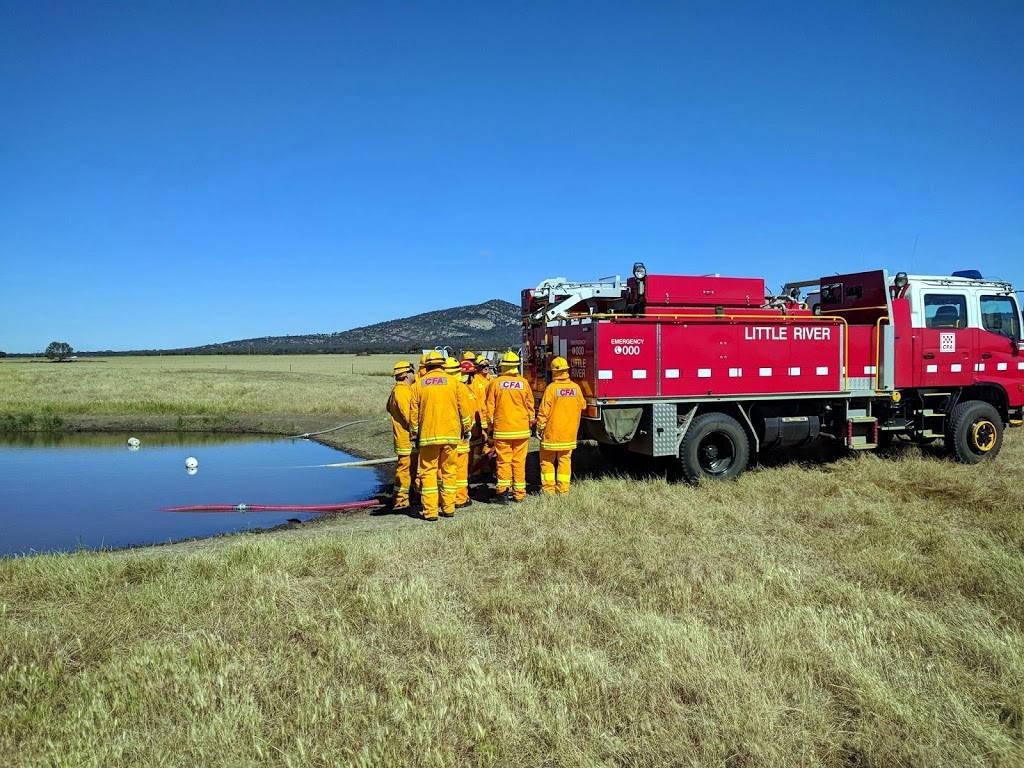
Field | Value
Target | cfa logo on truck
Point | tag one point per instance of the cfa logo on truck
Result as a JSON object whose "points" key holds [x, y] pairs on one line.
{"points": [[510, 384]]}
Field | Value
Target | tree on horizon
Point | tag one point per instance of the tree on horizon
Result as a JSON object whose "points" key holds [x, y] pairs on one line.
{"points": [[58, 351]]}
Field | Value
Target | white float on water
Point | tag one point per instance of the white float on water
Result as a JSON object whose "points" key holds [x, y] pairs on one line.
{"points": [[133, 442], [191, 463]]}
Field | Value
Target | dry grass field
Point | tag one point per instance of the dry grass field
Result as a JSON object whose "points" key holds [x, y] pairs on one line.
{"points": [[200, 384], [856, 611]]}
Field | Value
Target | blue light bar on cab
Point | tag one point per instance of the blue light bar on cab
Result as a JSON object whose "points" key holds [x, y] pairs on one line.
{"points": [[970, 274]]}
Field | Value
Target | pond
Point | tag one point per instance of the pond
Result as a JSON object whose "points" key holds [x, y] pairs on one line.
{"points": [[92, 491]]}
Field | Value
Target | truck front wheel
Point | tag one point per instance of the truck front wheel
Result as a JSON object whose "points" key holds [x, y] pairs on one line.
{"points": [[715, 447], [975, 432]]}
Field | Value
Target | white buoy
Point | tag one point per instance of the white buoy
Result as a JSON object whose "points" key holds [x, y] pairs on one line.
{"points": [[133, 442], [191, 470], [191, 463]]}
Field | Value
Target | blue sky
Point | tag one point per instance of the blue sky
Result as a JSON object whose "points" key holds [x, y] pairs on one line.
{"points": [[175, 174]]}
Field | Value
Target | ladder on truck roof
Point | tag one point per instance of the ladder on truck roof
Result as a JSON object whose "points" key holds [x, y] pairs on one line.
{"points": [[562, 295]]}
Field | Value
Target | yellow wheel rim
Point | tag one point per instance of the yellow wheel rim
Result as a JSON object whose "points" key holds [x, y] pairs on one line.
{"points": [[983, 435]]}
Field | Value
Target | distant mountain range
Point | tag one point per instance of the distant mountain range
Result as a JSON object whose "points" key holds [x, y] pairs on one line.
{"points": [[493, 325]]}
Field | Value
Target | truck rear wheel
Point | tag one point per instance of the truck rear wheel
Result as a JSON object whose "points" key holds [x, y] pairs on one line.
{"points": [[715, 447], [975, 432]]}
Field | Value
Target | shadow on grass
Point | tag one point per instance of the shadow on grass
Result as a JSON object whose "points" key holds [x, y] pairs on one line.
{"points": [[590, 461]]}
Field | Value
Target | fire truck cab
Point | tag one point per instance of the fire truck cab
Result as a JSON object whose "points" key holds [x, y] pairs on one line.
{"points": [[715, 371]]}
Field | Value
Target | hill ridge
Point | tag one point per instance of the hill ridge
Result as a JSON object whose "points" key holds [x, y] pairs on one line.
{"points": [[494, 324]]}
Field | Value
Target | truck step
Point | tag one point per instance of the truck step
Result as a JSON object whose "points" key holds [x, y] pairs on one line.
{"points": [[859, 443], [862, 419]]}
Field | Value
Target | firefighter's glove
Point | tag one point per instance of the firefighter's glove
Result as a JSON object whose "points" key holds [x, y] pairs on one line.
{"points": [[467, 435]]}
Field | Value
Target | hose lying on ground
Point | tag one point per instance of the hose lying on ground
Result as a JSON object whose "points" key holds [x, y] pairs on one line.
{"points": [[362, 463], [318, 508], [304, 435]]}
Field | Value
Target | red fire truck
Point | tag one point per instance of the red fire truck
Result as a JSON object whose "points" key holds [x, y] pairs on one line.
{"points": [[714, 371]]}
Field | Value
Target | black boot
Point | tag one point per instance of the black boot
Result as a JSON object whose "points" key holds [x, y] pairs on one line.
{"points": [[501, 498]]}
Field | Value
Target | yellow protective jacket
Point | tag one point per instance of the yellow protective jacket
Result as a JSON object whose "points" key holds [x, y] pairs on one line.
{"points": [[509, 406], [440, 410], [474, 415], [400, 408], [479, 385], [559, 414]]}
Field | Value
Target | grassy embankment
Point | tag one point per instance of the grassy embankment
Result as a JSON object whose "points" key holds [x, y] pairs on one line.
{"points": [[867, 611]]}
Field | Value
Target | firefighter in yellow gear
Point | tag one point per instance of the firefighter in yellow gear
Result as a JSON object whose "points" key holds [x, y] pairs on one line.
{"points": [[469, 355], [478, 446], [423, 366], [509, 418], [399, 405], [441, 416], [466, 447], [558, 422], [483, 367], [481, 380]]}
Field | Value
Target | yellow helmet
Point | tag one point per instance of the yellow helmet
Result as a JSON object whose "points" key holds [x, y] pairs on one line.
{"points": [[403, 367], [451, 365], [423, 358], [509, 361], [434, 359], [467, 355], [482, 361], [559, 364]]}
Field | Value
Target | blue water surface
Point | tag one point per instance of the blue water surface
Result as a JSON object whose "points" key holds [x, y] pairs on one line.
{"points": [[90, 491]]}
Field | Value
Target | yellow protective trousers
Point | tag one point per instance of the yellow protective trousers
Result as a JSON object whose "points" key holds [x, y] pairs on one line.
{"points": [[512, 465], [414, 479], [404, 473], [462, 477], [555, 470], [437, 472]]}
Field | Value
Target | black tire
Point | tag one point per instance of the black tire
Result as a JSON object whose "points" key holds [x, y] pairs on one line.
{"points": [[715, 447], [975, 432]]}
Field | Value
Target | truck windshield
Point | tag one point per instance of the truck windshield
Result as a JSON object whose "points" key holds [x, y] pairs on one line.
{"points": [[999, 315]]}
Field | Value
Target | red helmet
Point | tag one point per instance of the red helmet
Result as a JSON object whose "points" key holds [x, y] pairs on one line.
{"points": [[467, 366]]}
